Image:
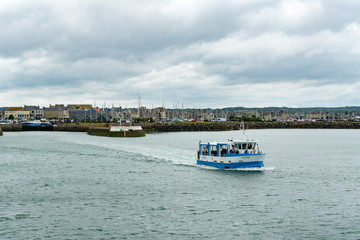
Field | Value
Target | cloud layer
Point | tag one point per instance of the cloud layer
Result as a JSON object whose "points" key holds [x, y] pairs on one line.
{"points": [[200, 53]]}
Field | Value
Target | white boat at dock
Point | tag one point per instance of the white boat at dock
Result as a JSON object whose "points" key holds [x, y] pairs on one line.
{"points": [[125, 128]]}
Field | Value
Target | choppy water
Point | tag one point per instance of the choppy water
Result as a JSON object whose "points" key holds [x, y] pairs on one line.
{"points": [[73, 186]]}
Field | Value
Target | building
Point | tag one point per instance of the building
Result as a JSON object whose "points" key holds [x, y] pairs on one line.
{"points": [[2, 112], [159, 114], [79, 106], [117, 112], [94, 115], [315, 115], [35, 112], [19, 113], [56, 112]]}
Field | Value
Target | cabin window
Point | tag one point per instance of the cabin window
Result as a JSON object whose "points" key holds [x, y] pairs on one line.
{"points": [[204, 150], [235, 148], [232, 148], [223, 149], [244, 146], [251, 145], [213, 150]]}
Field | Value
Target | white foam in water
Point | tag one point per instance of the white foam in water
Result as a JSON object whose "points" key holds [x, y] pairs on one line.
{"points": [[167, 153]]}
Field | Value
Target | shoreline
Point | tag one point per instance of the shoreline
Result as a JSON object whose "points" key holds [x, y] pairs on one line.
{"points": [[195, 126], [227, 126]]}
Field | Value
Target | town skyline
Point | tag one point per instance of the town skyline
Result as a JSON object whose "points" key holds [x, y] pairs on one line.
{"points": [[176, 105], [88, 112]]}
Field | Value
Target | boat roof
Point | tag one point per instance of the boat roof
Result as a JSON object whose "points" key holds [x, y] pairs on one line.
{"points": [[229, 142]]}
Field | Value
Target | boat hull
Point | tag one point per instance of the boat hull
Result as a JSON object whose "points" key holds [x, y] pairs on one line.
{"points": [[234, 165]]}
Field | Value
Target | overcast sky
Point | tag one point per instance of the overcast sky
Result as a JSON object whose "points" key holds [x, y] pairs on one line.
{"points": [[202, 53]]}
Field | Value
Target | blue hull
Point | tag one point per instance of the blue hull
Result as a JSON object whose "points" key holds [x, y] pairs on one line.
{"points": [[32, 124], [236, 165]]}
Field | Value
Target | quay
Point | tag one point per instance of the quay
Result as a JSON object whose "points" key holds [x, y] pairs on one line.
{"points": [[228, 126], [91, 129], [103, 129]]}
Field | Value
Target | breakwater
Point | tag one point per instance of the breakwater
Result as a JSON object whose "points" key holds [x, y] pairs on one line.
{"points": [[225, 126], [71, 128], [11, 127], [37, 128], [200, 126]]}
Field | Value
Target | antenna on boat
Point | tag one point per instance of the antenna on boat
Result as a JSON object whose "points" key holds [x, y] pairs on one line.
{"points": [[242, 126]]}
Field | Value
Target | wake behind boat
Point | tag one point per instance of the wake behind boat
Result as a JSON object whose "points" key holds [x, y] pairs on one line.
{"points": [[231, 154]]}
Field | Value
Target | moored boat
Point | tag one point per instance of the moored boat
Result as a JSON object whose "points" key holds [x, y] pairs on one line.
{"points": [[231, 154], [32, 123]]}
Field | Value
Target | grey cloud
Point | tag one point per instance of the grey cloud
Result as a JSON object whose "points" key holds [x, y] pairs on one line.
{"points": [[173, 49]]}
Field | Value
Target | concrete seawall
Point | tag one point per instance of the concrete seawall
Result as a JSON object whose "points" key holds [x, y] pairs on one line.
{"points": [[71, 128], [204, 126], [11, 127], [224, 126]]}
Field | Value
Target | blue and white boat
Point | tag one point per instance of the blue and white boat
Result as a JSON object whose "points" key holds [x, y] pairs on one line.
{"points": [[231, 154], [32, 123]]}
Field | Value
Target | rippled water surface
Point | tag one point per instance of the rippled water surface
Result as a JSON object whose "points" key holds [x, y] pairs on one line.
{"points": [[73, 186]]}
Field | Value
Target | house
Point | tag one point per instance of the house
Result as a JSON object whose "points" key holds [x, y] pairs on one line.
{"points": [[35, 112], [117, 113], [2, 112], [18, 113], [56, 112], [79, 106], [159, 113]]}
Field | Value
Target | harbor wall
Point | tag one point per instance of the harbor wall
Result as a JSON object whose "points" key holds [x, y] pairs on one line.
{"points": [[11, 127], [1, 133], [200, 126], [37, 128], [71, 128], [225, 126]]}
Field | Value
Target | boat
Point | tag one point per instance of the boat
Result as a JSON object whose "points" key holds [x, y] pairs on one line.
{"points": [[117, 131], [125, 128], [231, 154], [32, 123], [45, 123]]}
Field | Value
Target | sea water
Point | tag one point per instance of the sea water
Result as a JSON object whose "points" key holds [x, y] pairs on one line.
{"points": [[60, 185]]}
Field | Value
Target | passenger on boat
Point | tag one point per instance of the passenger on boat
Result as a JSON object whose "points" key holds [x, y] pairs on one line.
{"points": [[223, 152], [246, 151]]}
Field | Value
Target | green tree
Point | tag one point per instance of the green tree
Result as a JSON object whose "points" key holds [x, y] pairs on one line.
{"points": [[11, 117]]}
